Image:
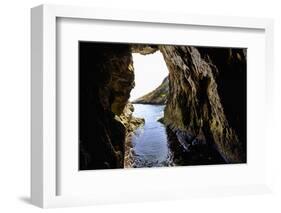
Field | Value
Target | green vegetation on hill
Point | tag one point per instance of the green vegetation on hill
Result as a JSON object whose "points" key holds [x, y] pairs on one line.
{"points": [[157, 96]]}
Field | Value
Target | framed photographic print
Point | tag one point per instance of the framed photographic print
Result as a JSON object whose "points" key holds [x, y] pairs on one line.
{"points": [[133, 105]]}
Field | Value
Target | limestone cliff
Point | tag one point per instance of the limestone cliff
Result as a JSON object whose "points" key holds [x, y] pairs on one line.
{"points": [[157, 96]]}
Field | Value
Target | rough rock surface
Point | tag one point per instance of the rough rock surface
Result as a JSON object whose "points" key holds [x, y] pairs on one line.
{"points": [[144, 49], [131, 123], [195, 105], [158, 96], [106, 79]]}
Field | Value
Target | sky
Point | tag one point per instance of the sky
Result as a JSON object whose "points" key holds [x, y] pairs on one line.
{"points": [[150, 70]]}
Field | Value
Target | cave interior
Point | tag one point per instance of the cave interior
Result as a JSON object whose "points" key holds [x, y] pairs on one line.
{"points": [[207, 96]]}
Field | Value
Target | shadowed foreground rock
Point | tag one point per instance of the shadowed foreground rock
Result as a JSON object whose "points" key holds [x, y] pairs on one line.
{"points": [[106, 80]]}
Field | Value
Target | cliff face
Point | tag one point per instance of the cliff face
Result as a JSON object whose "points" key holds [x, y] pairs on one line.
{"points": [[106, 79], [198, 103], [157, 96]]}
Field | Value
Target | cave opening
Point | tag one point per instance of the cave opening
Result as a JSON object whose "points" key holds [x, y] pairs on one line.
{"points": [[149, 70], [147, 145], [197, 108]]}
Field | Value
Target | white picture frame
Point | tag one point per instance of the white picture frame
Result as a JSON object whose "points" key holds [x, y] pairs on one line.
{"points": [[44, 155]]}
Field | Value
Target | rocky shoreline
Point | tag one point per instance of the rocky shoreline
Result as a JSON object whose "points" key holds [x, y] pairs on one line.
{"points": [[131, 123]]}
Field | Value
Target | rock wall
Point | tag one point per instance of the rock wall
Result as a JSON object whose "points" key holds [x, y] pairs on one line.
{"points": [[105, 81], [200, 100], [131, 123]]}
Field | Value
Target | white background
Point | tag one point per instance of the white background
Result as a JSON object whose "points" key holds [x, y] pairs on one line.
{"points": [[15, 106]]}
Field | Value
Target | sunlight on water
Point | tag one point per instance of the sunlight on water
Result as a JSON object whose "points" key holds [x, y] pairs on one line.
{"points": [[150, 147]]}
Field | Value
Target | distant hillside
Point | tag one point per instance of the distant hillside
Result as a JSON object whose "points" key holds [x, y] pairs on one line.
{"points": [[157, 96]]}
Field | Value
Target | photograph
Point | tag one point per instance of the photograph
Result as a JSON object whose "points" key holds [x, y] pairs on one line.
{"points": [[132, 105], [161, 105]]}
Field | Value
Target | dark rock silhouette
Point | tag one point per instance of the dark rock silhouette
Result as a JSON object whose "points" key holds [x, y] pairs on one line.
{"points": [[106, 77]]}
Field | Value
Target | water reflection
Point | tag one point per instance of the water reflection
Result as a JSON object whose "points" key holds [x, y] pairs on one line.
{"points": [[150, 146], [154, 145]]}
